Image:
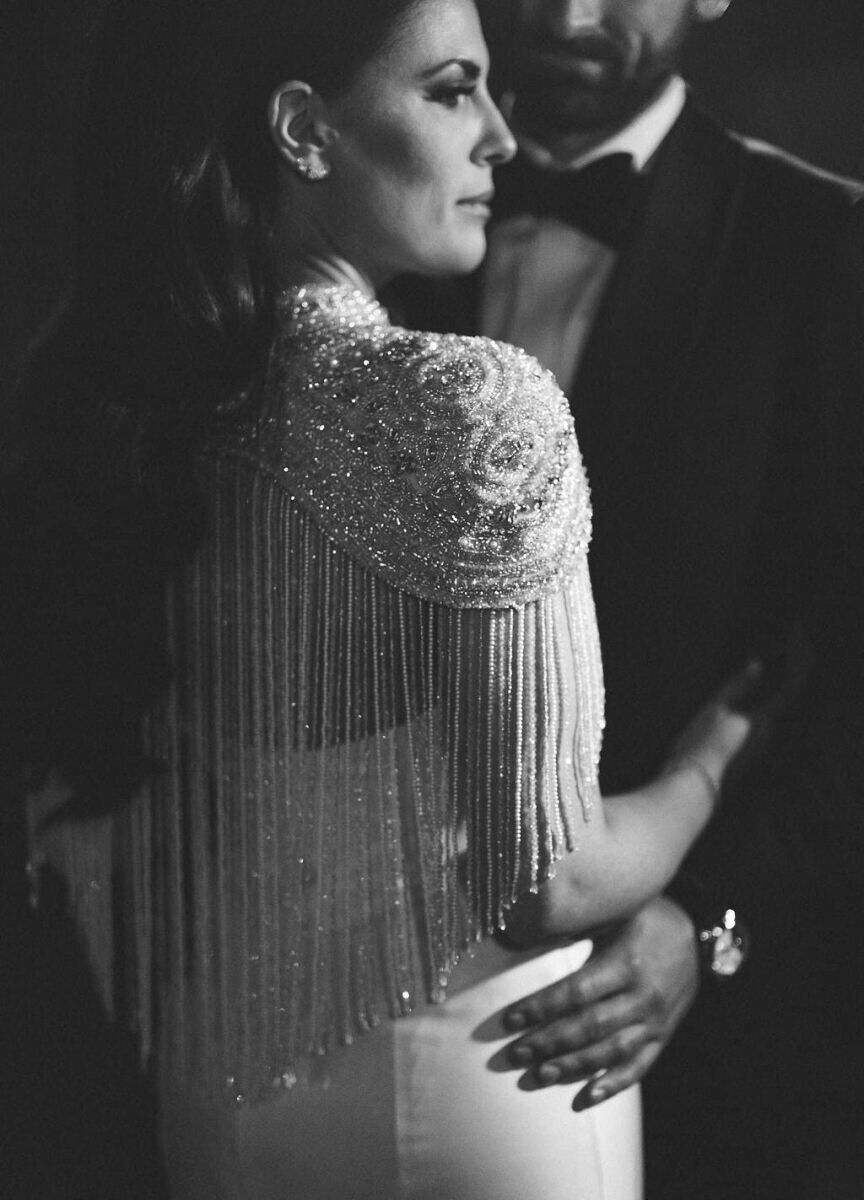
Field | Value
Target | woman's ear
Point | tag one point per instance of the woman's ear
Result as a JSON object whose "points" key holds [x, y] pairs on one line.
{"points": [[711, 10], [300, 132]]}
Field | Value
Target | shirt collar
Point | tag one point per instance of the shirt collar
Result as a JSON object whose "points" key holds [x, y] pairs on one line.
{"points": [[641, 138]]}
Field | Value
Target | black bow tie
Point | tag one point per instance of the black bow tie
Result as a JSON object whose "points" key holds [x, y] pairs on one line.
{"points": [[601, 199]]}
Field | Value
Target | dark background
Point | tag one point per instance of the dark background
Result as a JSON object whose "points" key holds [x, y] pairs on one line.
{"points": [[788, 71]]}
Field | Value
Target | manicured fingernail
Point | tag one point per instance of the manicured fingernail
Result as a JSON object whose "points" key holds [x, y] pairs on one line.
{"points": [[548, 1073], [598, 1092], [522, 1055], [515, 1020]]}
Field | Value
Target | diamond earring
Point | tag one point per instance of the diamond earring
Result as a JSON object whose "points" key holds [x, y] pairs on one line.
{"points": [[311, 171]]}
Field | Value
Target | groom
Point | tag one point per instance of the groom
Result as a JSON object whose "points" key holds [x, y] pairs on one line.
{"points": [[701, 301]]}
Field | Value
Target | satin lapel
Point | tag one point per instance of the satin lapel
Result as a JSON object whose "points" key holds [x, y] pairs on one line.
{"points": [[661, 292]]}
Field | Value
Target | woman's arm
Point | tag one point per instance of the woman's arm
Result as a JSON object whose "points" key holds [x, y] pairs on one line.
{"points": [[632, 844], [631, 849]]}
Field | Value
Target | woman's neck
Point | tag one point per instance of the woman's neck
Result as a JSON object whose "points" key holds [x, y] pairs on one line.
{"points": [[304, 247], [324, 268]]}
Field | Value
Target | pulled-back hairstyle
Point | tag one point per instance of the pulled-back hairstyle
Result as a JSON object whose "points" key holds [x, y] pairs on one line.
{"points": [[178, 177], [170, 313]]}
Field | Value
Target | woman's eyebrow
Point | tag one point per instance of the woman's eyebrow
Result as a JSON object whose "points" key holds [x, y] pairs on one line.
{"points": [[471, 68]]}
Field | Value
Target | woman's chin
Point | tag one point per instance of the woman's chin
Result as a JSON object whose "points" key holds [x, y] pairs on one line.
{"points": [[459, 260]]}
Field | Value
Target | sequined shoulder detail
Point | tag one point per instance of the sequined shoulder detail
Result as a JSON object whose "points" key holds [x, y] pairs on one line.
{"points": [[447, 465], [358, 781]]}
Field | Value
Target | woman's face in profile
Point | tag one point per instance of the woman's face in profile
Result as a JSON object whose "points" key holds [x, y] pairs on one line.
{"points": [[417, 137]]}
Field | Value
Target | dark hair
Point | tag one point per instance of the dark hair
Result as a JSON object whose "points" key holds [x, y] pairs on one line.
{"points": [[178, 177], [170, 313]]}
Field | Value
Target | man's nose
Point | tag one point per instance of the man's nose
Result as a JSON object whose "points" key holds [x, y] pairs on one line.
{"points": [[564, 18]]}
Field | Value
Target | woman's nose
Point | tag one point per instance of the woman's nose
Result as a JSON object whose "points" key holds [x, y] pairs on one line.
{"points": [[498, 144]]}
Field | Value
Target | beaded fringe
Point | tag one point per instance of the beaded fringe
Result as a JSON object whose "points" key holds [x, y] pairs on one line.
{"points": [[358, 783]]}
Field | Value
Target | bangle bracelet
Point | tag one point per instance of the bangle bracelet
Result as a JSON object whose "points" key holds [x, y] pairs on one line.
{"points": [[689, 760]]}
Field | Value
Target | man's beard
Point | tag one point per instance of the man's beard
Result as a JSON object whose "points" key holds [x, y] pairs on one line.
{"points": [[543, 108], [595, 82]]}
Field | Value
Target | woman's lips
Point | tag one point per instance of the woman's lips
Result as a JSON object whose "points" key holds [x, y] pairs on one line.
{"points": [[479, 204]]}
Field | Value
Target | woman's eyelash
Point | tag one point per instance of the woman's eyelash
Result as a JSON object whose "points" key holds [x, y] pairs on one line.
{"points": [[450, 94]]}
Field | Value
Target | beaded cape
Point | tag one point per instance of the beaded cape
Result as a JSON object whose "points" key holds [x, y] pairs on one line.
{"points": [[386, 717]]}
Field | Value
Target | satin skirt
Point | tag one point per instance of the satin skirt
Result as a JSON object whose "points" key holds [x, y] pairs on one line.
{"points": [[422, 1108]]}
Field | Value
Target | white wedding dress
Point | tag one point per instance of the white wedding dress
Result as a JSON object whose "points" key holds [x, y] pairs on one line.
{"points": [[385, 726], [420, 1109]]}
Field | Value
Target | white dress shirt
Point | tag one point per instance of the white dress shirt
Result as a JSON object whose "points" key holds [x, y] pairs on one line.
{"points": [[543, 280]]}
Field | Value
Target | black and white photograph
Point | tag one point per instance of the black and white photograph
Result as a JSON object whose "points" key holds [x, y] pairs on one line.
{"points": [[432, 600]]}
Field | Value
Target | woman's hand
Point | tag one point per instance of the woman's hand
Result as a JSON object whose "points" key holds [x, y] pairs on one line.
{"points": [[718, 732]]}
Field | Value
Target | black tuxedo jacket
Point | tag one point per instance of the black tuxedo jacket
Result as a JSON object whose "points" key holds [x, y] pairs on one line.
{"points": [[718, 405], [700, 407]]}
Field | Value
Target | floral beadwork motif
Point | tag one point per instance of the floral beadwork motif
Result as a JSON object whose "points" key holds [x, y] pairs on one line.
{"points": [[446, 464], [386, 718]]}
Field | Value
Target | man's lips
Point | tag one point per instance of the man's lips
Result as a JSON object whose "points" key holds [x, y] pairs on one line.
{"points": [[592, 50]]}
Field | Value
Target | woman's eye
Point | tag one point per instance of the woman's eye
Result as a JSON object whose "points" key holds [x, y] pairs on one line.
{"points": [[451, 95]]}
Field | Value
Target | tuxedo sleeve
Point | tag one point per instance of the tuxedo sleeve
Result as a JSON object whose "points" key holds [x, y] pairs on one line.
{"points": [[793, 811], [835, 620]]}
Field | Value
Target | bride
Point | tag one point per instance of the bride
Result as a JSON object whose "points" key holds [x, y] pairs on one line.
{"points": [[363, 552]]}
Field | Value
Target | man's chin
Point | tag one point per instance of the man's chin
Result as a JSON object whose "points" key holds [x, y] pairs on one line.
{"points": [[570, 111], [593, 115]]}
